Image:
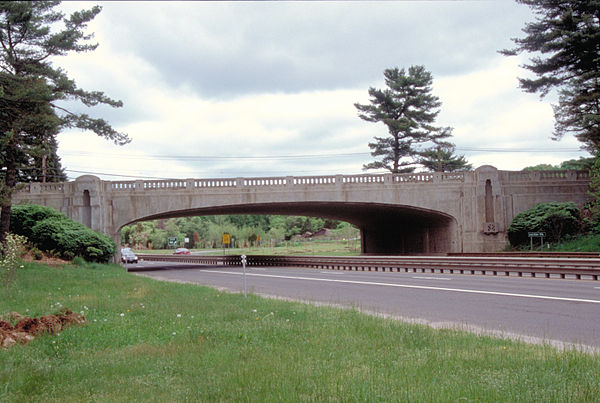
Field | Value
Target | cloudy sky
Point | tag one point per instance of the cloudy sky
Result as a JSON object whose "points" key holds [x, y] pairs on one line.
{"points": [[250, 89]]}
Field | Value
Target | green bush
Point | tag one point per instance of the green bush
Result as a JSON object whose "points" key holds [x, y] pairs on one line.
{"points": [[52, 231], [24, 216], [36, 253], [555, 219]]}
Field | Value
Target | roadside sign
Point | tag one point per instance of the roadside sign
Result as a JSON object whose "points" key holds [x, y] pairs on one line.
{"points": [[226, 239], [532, 235], [172, 241]]}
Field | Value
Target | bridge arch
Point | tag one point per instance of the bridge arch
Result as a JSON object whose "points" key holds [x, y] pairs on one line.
{"points": [[385, 228]]}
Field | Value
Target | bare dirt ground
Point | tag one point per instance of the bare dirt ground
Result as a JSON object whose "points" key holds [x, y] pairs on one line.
{"points": [[26, 328], [48, 260]]}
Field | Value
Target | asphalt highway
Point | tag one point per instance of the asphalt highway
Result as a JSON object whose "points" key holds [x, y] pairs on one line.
{"points": [[554, 311]]}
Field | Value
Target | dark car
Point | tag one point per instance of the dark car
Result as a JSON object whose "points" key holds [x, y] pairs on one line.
{"points": [[127, 256], [181, 251]]}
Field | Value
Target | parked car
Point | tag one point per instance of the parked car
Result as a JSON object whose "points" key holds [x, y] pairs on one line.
{"points": [[127, 256], [181, 251]]}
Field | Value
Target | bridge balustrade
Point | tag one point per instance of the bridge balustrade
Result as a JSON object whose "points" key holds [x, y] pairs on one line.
{"points": [[339, 180], [453, 177], [522, 176], [314, 180], [214, 183], [122, 185], [165, 184], [52, 187], [363, 178], [281, 181], [416, 177]]}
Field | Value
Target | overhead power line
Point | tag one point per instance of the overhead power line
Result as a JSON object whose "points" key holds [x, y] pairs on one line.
{"points": [[306, 156]]}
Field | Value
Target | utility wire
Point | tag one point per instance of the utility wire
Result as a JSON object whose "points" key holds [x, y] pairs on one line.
{"points": [[306, 156]]}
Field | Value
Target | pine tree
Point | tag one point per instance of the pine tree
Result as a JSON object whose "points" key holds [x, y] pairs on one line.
{"points": [[31, 34], [443, 159], [408, 109], [440, 157], [565, 41]]}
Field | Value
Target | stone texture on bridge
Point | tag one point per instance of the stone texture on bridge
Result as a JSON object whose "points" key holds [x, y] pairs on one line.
{"points": [[397, 213]]}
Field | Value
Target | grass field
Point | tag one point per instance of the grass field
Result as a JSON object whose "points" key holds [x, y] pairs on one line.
{"points": [[330, 248], [155, 341]]}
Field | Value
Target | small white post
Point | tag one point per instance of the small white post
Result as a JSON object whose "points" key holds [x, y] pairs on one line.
{"points": [[244, 267]]}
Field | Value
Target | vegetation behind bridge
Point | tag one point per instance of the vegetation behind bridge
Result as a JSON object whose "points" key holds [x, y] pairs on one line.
{"points": [[245, 230]]}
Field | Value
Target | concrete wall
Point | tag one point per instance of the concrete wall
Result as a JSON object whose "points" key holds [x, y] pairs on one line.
{"points": [[406, 213]]}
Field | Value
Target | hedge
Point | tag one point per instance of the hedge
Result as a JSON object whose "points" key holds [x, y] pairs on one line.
{"points": [[50, 230], [555, 219]]}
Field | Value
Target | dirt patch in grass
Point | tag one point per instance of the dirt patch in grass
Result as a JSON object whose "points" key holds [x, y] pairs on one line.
{"points": [[45, 259], [26, 328]]}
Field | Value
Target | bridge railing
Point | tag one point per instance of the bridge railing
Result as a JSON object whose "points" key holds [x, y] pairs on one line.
{"points": [[518, 176], [320, 180]]}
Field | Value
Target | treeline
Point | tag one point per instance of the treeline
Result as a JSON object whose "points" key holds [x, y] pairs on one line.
{"points": [[245, 230]]}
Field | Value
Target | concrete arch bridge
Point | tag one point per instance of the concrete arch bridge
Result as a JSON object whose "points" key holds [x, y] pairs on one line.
{"points": [[425, 213]]}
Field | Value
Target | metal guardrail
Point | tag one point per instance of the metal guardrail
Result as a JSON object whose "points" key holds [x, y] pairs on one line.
{"points": [[529, 254], [578, 268]]}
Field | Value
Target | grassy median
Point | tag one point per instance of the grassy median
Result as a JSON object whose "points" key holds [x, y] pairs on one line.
{"points": [[149, 340]]}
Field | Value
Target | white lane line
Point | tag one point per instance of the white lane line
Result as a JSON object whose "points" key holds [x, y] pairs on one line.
{"points": [[419, 287], [431, 278]]}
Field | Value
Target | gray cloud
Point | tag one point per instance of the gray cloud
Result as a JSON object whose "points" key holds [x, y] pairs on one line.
{"points": [[223, 50]]}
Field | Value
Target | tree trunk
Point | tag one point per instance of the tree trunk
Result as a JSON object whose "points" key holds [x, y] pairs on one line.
{"points": [[10, 181], [44, 156]]}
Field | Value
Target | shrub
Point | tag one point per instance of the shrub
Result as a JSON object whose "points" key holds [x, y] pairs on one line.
{"points": [[12, 249], [24, 216], [555, 219], [36, 253], [52, 231]]}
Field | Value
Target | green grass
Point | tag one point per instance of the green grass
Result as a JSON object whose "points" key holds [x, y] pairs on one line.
{"points": [[584, 243], [331, 248], [158, 341]]}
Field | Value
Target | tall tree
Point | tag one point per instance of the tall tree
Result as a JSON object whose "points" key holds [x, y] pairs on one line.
{"points": [[565, 43], [440, 156], [408, 109], [31, 88]]}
